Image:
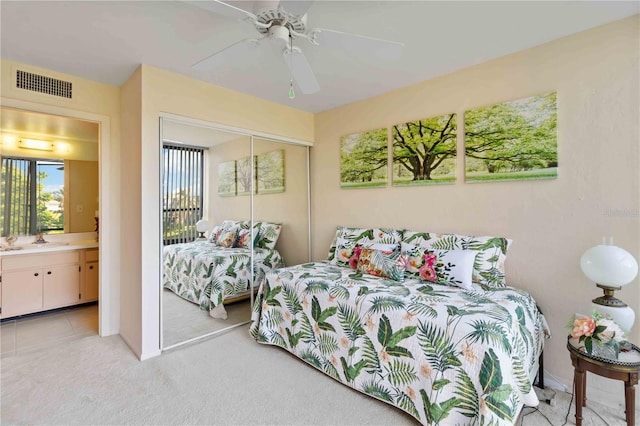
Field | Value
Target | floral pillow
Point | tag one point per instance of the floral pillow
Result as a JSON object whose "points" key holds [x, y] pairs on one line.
{"points": [[453, 267], [215, 233], [227, 238], [382, 263], [363, 237], [267, 236], [243, 239], [488, 268], [347, 252]]}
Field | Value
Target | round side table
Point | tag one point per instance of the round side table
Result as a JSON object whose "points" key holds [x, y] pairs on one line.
{"points": [[625, 368]]}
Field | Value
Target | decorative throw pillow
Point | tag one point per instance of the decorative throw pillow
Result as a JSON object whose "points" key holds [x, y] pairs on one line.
{"points": [[215, 233], [268, 235], [382, 263], [243, 239], [453, 267], [363, 237], [488, 268], [227, 238]]}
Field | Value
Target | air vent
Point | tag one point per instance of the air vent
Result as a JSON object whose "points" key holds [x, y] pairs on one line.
{"points": [[42, 84]]}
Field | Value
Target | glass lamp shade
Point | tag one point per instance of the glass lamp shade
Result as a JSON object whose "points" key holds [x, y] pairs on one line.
{"points": [[202, 225], [609, 266]]}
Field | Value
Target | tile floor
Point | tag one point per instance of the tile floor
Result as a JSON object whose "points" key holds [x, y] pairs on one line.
{"points": [[47, 329]]}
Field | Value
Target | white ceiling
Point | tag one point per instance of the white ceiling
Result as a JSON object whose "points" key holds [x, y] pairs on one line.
{"points": [[107, 40]]}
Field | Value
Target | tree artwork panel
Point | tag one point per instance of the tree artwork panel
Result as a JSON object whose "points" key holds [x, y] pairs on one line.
{"points": [[270, 173], [424, 151], [243, 175], [227, 179], [363, 159], [514, 140]]}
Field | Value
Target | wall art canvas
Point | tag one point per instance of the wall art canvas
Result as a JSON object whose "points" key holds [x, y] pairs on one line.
{"points": [[363, 159], [424, 151], [514, 140], [243, 176], [227, 179], [270, 172]]}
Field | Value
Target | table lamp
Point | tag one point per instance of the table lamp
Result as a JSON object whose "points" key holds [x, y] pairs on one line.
{"points": [[611, 267], [202, 226]]}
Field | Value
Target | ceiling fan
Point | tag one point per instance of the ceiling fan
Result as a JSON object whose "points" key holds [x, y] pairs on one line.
{"points": [[283, 22]]}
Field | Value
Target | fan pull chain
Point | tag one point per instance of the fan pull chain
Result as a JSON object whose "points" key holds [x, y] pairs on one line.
{"points": [[292, 94]]}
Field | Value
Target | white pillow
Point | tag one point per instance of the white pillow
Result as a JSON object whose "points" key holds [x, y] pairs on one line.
{"points": [[454, 267]]}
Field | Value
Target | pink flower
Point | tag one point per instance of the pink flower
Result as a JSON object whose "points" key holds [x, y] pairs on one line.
{"points": [[353, 260], [583, 327], [427, 271], [430, 259]]}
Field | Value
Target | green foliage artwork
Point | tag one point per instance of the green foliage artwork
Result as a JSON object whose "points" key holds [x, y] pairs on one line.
{"points": [[270, 172], [513, 140], [243, 175], [227, 179], [424, 151], [363, 159]]}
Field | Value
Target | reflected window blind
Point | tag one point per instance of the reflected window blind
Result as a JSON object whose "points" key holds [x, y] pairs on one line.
{"points": [[182, 192], [18, 198], [28, 205]]}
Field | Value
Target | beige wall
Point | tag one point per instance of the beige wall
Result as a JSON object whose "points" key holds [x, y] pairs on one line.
{"points": [[131, 275], [226, 208], [552, 222], [98, 103], [163, 91], [80, 193]]}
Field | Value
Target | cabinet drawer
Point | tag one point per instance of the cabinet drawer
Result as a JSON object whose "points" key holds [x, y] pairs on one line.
{"points": [[91, 255], [40, 260]]}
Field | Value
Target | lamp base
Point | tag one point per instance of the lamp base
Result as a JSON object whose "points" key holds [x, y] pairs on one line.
{"points": [[623, 316]]}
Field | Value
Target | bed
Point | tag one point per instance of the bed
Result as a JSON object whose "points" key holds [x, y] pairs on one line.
{"points": [[445, 354], [212, 272]]}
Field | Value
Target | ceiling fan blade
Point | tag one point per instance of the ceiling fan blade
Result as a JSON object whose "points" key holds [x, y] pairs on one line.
{"points": [[357, 44], [296, 7], [228, 54], [301, 71], [223, 8]]}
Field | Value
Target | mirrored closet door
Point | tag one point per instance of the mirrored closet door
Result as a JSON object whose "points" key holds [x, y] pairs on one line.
{"points": [[206, 183], [234, 206], [282, 195]]}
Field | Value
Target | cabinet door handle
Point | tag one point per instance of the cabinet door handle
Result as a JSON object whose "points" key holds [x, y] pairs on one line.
{"points": [[90, 267], [36, 274], [48, 272]]}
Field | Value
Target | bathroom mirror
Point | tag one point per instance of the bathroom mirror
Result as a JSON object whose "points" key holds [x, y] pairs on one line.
{"points": [[50, 172]]}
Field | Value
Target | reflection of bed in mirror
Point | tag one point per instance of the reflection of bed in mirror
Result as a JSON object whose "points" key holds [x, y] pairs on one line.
{"points": [[217, 271]]}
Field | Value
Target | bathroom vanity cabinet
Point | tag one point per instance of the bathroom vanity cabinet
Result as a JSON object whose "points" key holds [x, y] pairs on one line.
{"points": [[34, 282]]}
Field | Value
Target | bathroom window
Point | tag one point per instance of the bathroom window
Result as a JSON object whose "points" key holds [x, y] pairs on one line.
{"points": [[183, 188], [31, 196]]}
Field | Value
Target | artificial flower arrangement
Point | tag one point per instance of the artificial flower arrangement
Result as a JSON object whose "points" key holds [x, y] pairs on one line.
{"points": [[599, 334]]}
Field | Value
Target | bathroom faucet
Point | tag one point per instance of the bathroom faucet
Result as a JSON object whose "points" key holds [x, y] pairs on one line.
{"points": [[40, 239]]}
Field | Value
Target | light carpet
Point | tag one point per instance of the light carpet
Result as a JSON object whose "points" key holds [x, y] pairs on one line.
{"points": [[183, 320], [227, 380]]}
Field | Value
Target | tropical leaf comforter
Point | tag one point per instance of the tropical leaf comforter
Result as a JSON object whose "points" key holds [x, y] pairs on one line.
{"points": [[206, 274], [442, 354]]}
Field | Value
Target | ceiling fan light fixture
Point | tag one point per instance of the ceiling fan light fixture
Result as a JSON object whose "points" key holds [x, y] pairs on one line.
{"points": [[292, 94]]}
